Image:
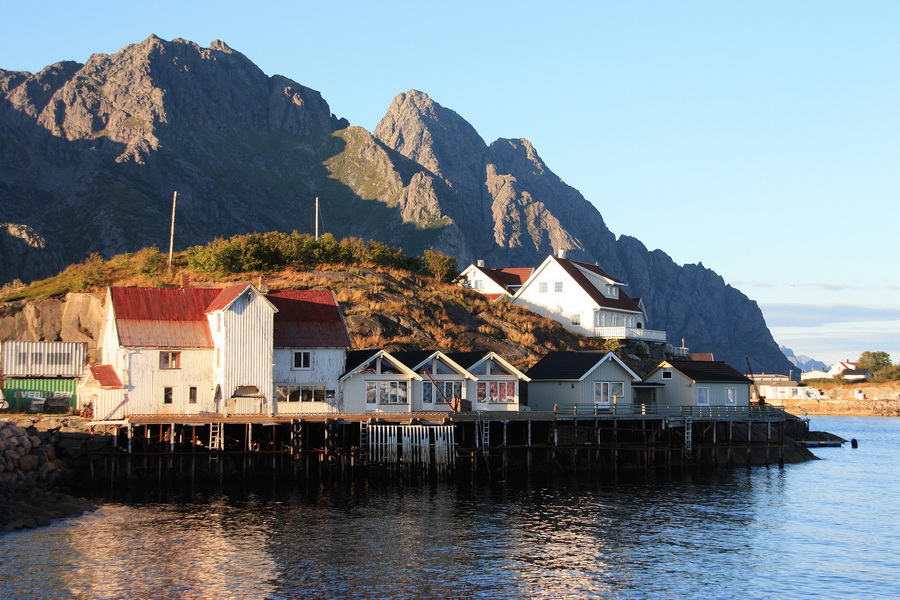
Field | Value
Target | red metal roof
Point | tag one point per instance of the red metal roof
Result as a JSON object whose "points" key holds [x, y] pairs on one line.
{"points": [[106, 376], [163, 317], [308, 319], [226, 297]]}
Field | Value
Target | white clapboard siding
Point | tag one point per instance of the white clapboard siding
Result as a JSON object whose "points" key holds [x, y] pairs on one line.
{"points": [[42, 359]]}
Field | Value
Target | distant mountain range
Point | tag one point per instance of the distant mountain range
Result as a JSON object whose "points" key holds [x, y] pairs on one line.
{"points": [[804, 363], [90, 155]]}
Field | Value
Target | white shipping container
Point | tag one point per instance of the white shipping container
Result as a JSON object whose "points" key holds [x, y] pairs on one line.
{"points": [[42, 359]]}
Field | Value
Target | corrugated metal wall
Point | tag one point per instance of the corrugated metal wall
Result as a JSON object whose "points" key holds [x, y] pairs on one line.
{"points": [[11, 386], [247, 353], [42, 359]]}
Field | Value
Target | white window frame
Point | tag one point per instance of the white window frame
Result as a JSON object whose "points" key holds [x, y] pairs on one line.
{"points": [[431, 392], [731, 396], [557, 287], [302, 392], [306, 360], [605, 394], [667, 374], [576, 319], [702, 396], [542, 287], [388, 392]]}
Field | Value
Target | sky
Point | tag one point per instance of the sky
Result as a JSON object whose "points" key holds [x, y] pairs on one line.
{"points": [[760, 139]]}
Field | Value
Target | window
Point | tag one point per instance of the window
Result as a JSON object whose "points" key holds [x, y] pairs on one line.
{"points": [[302, 359], [218, 321], [576, 319], [496, 392], [608, 392], [731, 395], [542, 287], [169, 360], [300, 393], [478, 284], [386, 392], [168, 394], [702, 396], [612, 291], [192, 395], [441, 391], [667, 374], [557, 287]]}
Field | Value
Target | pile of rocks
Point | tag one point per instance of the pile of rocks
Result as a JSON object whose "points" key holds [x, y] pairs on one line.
{"points": [[24, 457], [28, 468]]}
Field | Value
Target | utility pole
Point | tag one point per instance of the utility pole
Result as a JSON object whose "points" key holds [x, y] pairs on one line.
{"points": [[317, 217], [172, 229]]}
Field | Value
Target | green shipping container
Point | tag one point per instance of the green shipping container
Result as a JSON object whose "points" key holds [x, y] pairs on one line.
{"points": [[57, 384]]}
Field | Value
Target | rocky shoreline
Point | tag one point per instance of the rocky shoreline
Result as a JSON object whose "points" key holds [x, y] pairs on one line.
{"points": [[32, 471], [837, 407]]}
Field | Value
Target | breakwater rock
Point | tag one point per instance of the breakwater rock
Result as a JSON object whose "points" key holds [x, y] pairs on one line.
{"points": [[29, 470]]}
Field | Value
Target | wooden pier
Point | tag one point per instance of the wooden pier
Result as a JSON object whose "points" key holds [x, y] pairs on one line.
{"points": [[445, 443]]}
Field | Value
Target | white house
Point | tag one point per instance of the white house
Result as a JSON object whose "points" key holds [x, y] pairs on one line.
{"points": [[580, 381], [375, 381], [444, 383], [703, 384], [496, 385], [210, 350], [494, 283], [310, 341]]}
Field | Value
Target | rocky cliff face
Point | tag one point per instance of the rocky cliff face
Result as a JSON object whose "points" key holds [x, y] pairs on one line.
{"points": [[90, 155]]}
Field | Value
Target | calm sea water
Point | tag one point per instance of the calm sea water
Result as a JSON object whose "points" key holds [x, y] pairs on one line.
{"points": [[825, 528]]}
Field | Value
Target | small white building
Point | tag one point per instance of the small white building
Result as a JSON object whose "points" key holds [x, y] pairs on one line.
{"points": [[494, 283], [444, 384], [581, 381], [496, 385], [375, 381]]}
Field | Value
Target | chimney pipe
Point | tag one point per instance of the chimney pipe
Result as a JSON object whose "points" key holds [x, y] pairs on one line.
{"points": [[561, 253], [480, 262]]}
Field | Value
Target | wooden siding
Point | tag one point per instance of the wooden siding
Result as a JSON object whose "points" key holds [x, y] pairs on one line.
{"points": [[42, 359], [246, 348], [682, 391], [144, 382], [543, 395]]}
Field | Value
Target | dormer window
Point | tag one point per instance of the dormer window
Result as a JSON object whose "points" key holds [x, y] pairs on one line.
{"points": [[612, 291]]}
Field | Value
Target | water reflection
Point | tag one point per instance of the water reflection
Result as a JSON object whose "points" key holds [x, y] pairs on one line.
{"points": [[728, 534]]}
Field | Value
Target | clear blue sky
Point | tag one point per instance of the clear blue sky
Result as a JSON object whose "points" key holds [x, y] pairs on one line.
{"points": [[759, 138]]}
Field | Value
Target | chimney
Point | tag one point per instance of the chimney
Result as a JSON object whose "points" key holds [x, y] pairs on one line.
{"points": [[263, 285], [480, 262], [561, 253], [185, 280]]}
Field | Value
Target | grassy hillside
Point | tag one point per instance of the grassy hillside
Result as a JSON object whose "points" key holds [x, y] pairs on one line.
{"points": [[389, 300]]}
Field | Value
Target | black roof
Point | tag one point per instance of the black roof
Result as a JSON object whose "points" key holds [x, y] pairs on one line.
{"points": [[709, 371], [412, 358], [565, 365], [466, 359], [356, 358]]}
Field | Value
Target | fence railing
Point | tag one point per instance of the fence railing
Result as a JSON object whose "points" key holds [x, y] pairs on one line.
{"points": [[720, 412], [630, 333]]}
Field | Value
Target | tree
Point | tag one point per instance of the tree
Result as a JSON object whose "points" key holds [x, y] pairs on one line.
{"points": [[874, 361], [440, 265]]}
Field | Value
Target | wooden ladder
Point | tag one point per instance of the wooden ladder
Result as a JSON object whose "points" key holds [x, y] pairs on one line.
{"points": [[484, 428], [215, 439], [363, 442], [688, 435]]}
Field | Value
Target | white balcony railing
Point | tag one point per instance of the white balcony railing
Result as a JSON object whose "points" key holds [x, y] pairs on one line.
{"points": [[630, 333]]}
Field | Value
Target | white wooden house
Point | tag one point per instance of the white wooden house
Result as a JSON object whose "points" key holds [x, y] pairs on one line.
{"points": [[586, 300], [581, 382], [444, 384], [311, 341], [494, 283], [699, 385], [209, 350], [375, 381], [496, 385]]}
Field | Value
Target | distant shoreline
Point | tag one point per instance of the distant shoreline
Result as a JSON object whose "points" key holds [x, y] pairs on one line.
{"points": [[843, 408]]}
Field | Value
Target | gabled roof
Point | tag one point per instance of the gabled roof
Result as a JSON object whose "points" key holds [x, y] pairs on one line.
{"points": [[106, 376], [509, 276], [308, 319], [573, 269], [706, 371], [162, 317], [573, 366], [357, 359], [468, 360], [228, 295], [416, 358]]}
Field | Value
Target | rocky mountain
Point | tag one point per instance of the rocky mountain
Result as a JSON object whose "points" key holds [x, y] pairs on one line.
{"points": [[90, 155], [803, 362]]}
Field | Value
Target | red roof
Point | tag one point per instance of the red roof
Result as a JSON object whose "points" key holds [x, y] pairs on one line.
{"points": [[508, 277], [226, 297], [106, 376], [308, 319], [163, 317], [623, 302]]}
